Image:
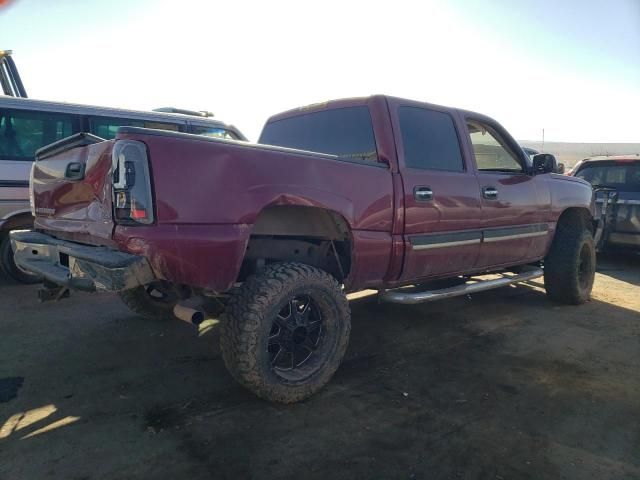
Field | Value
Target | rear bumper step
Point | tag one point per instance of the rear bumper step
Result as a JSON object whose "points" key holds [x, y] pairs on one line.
{"points": [[77, 266], [412, 298]]}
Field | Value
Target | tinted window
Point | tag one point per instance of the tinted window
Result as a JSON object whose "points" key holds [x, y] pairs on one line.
{"points": [[345, 132], [621, 176], [23, 132], [212, 131], [105, 127], [429, 139], [490, 150]]}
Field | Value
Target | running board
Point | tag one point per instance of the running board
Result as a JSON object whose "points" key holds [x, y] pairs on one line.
{"points": [[412, 298]]}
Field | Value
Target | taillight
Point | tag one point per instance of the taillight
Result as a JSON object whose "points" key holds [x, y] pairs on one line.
{"points": [[132, 201]]}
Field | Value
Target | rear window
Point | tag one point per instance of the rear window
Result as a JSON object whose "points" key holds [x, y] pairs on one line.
{"points": [[22, 132], [345, 132], [107, 128], [621, 176]]}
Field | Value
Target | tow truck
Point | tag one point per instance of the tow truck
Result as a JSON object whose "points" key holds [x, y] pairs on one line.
{"points": [[10, 80]]}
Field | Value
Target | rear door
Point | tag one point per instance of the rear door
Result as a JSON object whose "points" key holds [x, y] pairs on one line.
{"points": [[514, 202], [441, 196]]}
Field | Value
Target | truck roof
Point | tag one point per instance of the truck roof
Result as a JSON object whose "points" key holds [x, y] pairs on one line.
{"points": [[357, 101], [343, 102]]}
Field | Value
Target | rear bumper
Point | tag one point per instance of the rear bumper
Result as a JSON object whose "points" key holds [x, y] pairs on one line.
{"points": [[77, 266]]}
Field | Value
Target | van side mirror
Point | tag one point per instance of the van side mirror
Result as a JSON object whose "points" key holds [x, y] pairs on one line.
{"points": [[544, 163]]}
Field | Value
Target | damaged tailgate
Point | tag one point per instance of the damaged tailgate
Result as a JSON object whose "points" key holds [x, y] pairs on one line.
{"points": [[71, 189]]}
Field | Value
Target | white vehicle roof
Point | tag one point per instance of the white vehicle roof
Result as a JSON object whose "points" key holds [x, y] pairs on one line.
{"points": [[78, 109]]}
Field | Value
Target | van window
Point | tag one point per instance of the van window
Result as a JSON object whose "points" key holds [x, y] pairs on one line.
{"points": [[107, 127], [22, 132], [429, 140], [344, 132], [212, 131]]}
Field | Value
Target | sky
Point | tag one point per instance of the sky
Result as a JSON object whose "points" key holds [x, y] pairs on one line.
{"points": [[571, 67]]}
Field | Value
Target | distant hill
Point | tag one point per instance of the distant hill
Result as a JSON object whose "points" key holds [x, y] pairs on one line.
{"points": [[569, 153]]}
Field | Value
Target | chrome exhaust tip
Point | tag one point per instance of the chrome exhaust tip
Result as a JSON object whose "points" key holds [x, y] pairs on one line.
{"points": [[194, 316]]}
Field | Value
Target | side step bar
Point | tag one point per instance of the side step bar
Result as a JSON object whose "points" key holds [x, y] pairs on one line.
{"points": [[412, 298]]}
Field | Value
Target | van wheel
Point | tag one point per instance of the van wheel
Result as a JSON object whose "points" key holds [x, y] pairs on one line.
{"points": [[285, 331], [570, 266], [154, 301], [9, 265]]}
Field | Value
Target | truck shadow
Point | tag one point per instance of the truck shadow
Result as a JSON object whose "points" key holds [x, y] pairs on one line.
{"points": [[622, 265], [499, 384]]}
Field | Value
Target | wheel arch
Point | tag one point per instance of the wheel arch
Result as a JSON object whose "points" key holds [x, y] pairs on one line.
{"points": [[19, 218], [314, 234], [577, 217], [16, 220]]}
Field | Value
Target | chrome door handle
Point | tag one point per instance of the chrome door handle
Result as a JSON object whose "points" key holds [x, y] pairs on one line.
{"points": [[490, 193], [422, 194]]}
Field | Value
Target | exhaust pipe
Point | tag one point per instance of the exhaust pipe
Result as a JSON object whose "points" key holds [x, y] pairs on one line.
{"points": [[188, 314]]}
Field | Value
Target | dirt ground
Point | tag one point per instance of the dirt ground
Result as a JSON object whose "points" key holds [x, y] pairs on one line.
{"points": [[504, 385]]}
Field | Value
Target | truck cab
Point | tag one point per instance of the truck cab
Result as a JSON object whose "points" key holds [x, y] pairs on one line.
{"points": [[466, 198]]}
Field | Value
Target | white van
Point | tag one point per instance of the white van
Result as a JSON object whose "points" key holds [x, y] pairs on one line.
{"points": [[26, 125]]}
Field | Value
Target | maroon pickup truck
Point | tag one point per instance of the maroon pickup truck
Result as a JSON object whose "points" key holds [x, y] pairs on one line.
{"points": [[417, 201]]}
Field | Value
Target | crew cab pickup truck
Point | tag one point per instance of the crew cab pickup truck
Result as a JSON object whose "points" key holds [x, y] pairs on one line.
{"points": [[417, 201]]}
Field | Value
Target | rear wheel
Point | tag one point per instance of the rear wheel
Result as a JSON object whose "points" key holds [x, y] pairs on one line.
{"points": [[569, 269], [9, 265], [285, 331]]}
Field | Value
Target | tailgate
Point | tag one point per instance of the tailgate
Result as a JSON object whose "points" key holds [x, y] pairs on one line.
{"points": [[71, 185]]}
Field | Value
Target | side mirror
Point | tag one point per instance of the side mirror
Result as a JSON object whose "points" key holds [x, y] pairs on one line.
{"points": [[560, 168], [544, 163]]}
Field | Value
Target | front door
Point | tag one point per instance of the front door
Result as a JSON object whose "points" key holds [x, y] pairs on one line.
{"points": [[442, 201], [512, 208]]}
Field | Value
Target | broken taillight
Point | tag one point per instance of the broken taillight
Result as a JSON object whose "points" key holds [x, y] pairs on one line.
{"points": [[132, 200]]}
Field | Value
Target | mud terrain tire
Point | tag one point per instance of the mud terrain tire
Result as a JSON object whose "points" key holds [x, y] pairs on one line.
{"points": [[264, 326], [569, 268]]}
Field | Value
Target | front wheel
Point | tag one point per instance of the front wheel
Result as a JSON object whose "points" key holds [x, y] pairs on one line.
{"points": [[285, 331], [570, 266]]}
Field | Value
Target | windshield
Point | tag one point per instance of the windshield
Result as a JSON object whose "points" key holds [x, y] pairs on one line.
{"points": [[624, 177]]}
